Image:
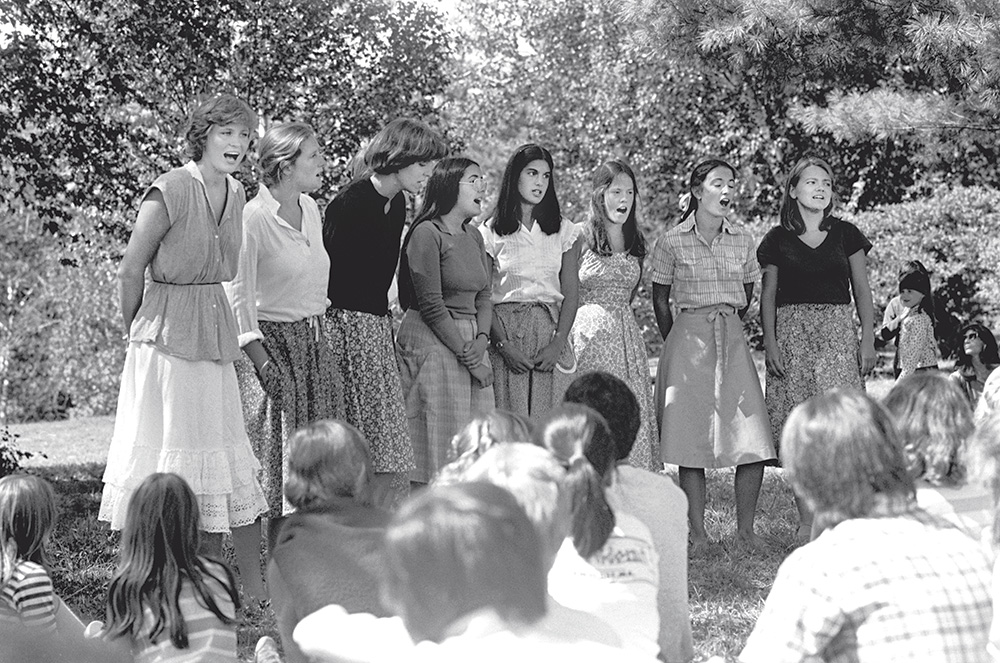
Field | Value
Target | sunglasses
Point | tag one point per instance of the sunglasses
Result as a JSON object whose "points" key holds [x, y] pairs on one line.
{"points": [[971, 334]]}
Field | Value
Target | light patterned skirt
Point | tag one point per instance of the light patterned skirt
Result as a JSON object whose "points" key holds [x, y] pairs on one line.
{"points": [[530, 327], [363, 352], [310, 391], [818, 344], [607, 338], [441, 395], [711, 407], [182, 416]]}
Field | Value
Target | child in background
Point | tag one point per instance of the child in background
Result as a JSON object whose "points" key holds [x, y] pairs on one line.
{"points": [[889, 331], [913, 323], [166, 601], [27, 516]]}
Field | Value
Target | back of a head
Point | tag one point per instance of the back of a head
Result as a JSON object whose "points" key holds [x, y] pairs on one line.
{"points": [[27, 517], [327, 460], [842, 454], [934, 420], [984, 458], [613, 400], [535, 478], [478, 436], [163, 515], [580, 440], [452, 550]]}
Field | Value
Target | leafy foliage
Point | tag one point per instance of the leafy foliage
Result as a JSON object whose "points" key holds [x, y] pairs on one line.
{"points": [[11, 455], [93, 100]]}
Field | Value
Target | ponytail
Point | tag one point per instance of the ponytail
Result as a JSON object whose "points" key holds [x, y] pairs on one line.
{"points": [[593, 519]]}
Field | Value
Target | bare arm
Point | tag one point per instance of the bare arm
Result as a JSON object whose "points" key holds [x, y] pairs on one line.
{"points": [[768, 319], [151, 225], [569, 284], [866, 309], [661, 307]]}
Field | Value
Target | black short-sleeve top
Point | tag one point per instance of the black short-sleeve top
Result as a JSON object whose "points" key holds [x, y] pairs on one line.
{"points": [[807, 275], [363, 242]]}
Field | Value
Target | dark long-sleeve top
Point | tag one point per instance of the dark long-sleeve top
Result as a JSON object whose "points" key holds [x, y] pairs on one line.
{"points": [[362, 240], [451, 277]]}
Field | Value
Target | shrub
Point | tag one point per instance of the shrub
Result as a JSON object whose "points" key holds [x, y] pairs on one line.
{"points": [[11, 456]]}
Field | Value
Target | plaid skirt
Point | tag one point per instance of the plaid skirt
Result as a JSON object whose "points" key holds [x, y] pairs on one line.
{"points": [[530, 327], [710, 405], [310, 391], [441, 396], [363, 351], [818, 344]]}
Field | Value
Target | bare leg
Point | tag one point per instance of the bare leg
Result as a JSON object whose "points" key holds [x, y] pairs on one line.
{"points": [[747, 488], [692, 482], [389, 489], [246, 549]]}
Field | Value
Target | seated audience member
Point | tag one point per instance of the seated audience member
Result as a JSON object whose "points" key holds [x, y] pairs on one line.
{"points": [[465, 572], [652, 498], [537, 481], [330, 550], [985, 453], [616, 547], [989, 400], [484, 431], [977, 358], [884, 580], [934, 422]]}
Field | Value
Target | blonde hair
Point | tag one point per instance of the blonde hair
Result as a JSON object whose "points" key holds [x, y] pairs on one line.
{"points": [[279, 148], [934, 421]]}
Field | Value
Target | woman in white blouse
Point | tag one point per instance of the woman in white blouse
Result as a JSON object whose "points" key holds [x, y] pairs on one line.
{"points": [[534, 257], [278, 298]]}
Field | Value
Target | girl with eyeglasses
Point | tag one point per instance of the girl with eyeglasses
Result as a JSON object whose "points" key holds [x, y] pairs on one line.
{"points": [[445, 286]]}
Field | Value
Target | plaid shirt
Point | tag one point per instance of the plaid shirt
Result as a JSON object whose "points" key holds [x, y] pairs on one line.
{"points": [[703, 274], [902, 588]]}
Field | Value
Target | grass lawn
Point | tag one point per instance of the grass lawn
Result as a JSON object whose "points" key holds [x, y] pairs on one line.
{"points": [[727, 583]]}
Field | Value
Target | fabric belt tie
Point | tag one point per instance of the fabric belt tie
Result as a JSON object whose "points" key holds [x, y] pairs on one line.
{"points": [[716, 314], [314, 325]]}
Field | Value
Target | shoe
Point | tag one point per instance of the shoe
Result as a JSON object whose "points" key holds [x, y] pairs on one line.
{"points": [[266, 651]]}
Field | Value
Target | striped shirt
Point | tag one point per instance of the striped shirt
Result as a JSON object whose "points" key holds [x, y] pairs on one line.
{"points": [[28, 597], [703, 274], [209, 640]]}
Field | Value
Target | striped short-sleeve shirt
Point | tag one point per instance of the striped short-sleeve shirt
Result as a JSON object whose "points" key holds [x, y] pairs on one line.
{"points": [[28, 598], [702, 273], [209, 639]]}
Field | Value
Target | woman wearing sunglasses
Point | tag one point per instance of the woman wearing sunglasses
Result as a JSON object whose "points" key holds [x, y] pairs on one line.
{"points": [[977, 357], [445, 287]]}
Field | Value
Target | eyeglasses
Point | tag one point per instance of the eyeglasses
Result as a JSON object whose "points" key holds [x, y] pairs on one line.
{"points": [[971, 334], [479, 184]]}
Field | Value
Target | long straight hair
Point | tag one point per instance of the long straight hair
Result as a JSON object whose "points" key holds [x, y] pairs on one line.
{"points": [[507, 217], [579, 438], [791, 217], [440, 197], [159, 550], [597, 237], [27, 516]]}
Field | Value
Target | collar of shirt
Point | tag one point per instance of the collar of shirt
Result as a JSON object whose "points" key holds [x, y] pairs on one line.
{"points": [[689, 224], [195, 172], [271, 206]]}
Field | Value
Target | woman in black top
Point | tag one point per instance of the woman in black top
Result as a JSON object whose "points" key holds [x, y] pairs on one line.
{"points": [[362, 232], [811, 264]]}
